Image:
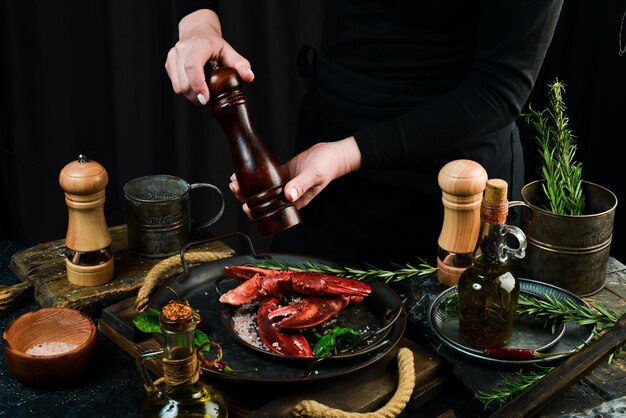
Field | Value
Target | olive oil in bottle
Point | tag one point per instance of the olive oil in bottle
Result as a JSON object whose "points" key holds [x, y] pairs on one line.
{"points": [[488, 290], [182, 393]]}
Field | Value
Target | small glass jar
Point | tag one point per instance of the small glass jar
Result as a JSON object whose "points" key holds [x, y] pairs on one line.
{"points": [[182, 393], [489, 289]]}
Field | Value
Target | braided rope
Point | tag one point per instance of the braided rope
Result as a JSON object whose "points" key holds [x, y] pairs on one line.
{"points": [[406, 384], [181, 371], [156, 273]]}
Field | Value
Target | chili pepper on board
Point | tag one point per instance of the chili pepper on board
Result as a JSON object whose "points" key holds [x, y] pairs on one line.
{"points": [[518, 353]]}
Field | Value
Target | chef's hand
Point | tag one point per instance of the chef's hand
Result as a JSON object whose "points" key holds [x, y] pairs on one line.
{"points": [[200, 40], [312, 170]]}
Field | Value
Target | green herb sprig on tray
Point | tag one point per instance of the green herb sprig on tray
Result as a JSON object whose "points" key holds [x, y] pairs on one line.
{"points": [[512, 388], [408, 271], [567, 311], [551, 309]]}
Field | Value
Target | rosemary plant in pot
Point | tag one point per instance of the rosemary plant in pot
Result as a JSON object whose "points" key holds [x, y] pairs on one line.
{"points": [[568, 221]]}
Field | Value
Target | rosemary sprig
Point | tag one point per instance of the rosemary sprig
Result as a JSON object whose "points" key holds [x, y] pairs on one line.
{"points": [[552, 309], [562, 174], [568, 311], [408, 271], [512, 388]]}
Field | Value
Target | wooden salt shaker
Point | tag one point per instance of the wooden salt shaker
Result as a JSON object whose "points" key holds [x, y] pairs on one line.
{"points": [[462, 183], [255, 167], [89, 259]]}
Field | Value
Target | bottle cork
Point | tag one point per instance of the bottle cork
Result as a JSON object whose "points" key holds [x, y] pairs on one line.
{"points": [[495, 205], [495, 191]]}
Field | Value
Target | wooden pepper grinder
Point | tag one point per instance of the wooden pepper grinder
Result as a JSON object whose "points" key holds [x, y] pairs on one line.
{"points": [[256, 170], [462, 183], [89, 259]]}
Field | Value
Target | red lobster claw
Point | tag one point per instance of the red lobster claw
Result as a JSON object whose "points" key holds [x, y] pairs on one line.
{"points": [[324, 284], [309, 312], [246, 272], [256, 287], [277, 283], [289, 344]]}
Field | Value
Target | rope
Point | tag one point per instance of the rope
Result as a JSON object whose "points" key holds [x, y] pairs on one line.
{"points": [[180, 371], [406, 383], [156, 273]]}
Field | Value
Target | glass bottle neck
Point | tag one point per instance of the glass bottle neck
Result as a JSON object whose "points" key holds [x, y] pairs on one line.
{"points": [[491, 243], [180, 365], [178, 345]]}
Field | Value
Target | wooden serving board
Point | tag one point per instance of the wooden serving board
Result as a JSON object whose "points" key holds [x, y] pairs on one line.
{"points": [[42, 270], [364, 390]]}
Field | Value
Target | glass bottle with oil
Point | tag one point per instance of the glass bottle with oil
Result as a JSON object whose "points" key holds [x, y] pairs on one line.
{"points": [[488, 290], [181, 392]]}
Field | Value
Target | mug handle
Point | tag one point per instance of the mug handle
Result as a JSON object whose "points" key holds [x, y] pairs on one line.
{"points": [[221, 211]]}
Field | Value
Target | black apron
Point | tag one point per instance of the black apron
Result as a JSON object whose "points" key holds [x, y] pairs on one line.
{"points": [[379, 216]]}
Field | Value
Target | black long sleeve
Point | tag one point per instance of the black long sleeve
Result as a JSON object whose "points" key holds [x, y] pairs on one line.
{"points": [[470, 94], [184, 7]]}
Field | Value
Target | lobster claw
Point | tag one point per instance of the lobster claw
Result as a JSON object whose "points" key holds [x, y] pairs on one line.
{"points": [[246, 272], [308, 312], [285, 343], [324, 284], [256, 287]]}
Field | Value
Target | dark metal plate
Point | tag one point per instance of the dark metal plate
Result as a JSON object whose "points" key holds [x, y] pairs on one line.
{"points": [[373, 316], [199, 289], [527, 333]]}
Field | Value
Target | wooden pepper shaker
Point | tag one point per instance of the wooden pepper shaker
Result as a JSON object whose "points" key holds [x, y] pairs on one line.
{"points": [[256, 169], [462, 183], [89, 259]]}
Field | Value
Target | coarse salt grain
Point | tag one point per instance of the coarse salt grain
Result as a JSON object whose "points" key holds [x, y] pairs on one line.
{"points": [[51, 348]]}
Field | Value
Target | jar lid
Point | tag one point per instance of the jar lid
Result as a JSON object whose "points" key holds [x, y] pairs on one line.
{"points": [[177, 317], [83, 177]]}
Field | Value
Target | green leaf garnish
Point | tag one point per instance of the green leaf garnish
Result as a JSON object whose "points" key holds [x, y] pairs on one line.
{"points": [[334, 340], [200, 338], [148, 321]]}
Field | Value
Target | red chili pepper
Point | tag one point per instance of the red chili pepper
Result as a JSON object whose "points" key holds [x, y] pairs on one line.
{"points": [[519, 353], [219, 366], [512, 353]]}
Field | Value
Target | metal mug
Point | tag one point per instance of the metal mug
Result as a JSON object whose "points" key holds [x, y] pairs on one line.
{"points": [[159, 214]]}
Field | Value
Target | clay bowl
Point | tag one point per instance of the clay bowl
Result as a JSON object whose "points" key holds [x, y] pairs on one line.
{"points": [[64, 342]]}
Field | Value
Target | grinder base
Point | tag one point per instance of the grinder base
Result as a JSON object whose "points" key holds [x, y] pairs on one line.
{"points": [[279, 220]]}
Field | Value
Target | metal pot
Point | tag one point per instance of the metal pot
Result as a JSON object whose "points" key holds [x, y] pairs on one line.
{"points": [[570, 252]]}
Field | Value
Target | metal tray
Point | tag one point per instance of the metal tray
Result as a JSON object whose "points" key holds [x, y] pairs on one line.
{"points": [[527, 333], [373, 317], [197, 285]]}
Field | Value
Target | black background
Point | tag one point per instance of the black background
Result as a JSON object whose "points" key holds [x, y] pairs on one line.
{"points": [[88, 77]]}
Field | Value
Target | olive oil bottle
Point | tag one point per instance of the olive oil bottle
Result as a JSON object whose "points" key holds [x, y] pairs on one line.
{"points": [[181, 393], [488, 290]]}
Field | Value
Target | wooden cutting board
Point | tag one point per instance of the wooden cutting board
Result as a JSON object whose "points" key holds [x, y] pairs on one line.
{"points": [[42, 271], [364, 390]]}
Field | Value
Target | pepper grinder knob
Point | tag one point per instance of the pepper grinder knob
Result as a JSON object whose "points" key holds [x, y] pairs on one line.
{"points": [[256, 169], [462, 183], [89, 259]]}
